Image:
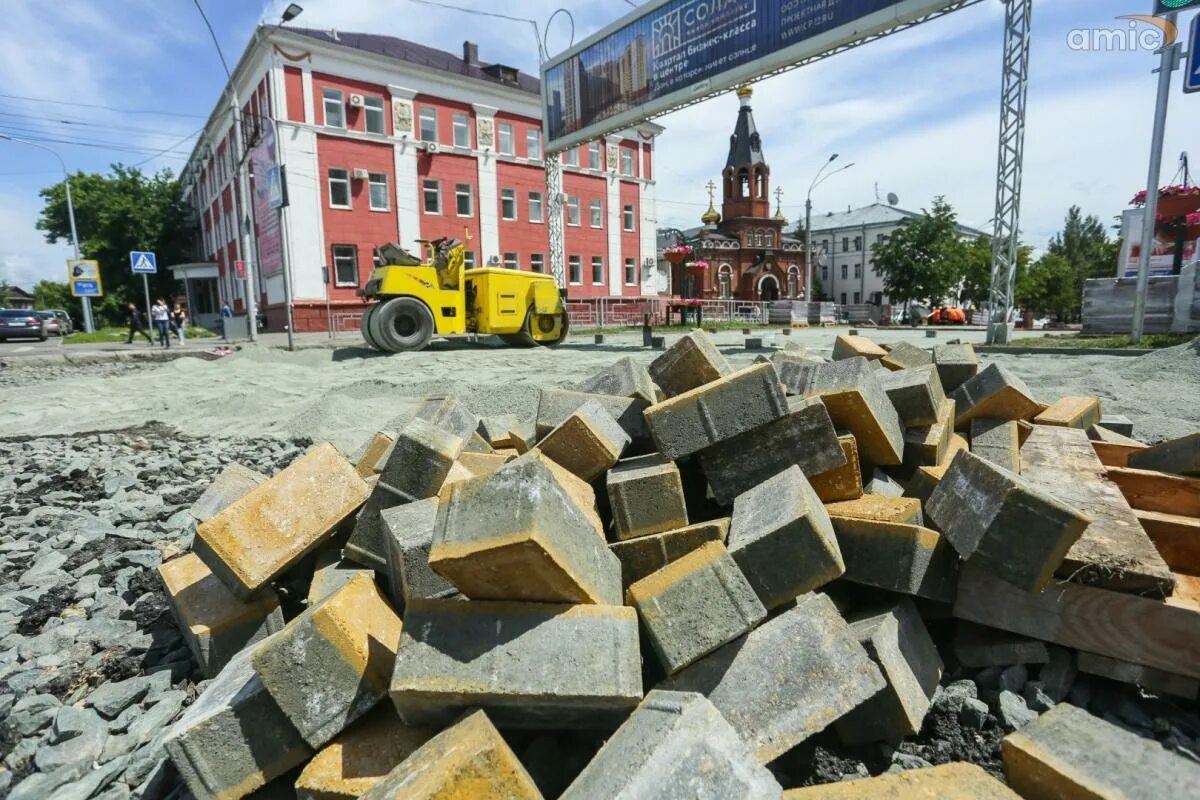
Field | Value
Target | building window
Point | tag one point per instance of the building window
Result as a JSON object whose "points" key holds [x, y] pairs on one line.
{"points": [[345, 265], [630, 272], [593, 155], [825, 274], [535, 206], [575, 267], [845, 244], [628, 218], [432, 191], [537, 262], [570, 157], [469, 259], [429, 125], [857, 272], [463, 199], [843, 298], [462, 130], [770, 239], [725, 280], [508, 203], [377, 185], [879, 238], [533, 143], [506, 138], [572, 210], [373, 107], [844, 270], [335, 108], [597, 270], [626, 162], [510, 261], [339, 188], [596, 209], [793, 281], [857, 243], [857, 298]]}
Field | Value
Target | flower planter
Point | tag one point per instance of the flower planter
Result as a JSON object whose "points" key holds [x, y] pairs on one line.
{"points": [[675, 258]]}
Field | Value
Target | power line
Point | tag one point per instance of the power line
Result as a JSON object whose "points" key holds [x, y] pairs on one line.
{"points": [[86, 124], [41, 137], [104, 107]]}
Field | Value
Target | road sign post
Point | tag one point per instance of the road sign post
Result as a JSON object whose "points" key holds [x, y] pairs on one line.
{"points": [[84, 276], [1191, 78], [145, 263]]}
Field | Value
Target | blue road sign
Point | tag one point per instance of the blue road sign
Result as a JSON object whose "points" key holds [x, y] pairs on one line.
{"points": [[86, 288], [1191, 77], [143, 262]]}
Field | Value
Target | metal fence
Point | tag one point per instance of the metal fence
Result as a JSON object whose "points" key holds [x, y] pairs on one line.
{"points": [[616, 312], [344, 323]]}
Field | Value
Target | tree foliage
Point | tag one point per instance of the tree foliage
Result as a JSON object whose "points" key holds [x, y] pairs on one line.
{"points": [[3, 294], [923, 259], [1049, 285], [1084, 245], [52, 294]]}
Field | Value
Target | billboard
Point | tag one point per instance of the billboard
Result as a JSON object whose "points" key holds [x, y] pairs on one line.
{"points": [[670, 52], [1162, 256], [266, 207], [84, 276]]}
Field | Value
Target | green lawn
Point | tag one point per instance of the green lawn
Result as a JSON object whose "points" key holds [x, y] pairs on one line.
{"points": [[116, 335], [1153, 340]]}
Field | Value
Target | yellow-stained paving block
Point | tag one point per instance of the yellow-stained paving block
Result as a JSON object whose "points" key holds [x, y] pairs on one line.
{"points": [[958, 781], [879, 508], [484, 463], [1071, 412], [851, 346], [331, 574], [458, 472], [466, 761], [995, 392], [587, 443], [280, 521], [926, 478], [927, 445], [215, 623], [477, 444], [369, 458], [845, 482], [641, 556], [361, 756]]}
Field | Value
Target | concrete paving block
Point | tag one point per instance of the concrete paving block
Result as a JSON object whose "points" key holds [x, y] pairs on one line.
{"points": [[646, 496], [1100, 433], [994, 392], [996, 441], [329, 665], [623, 378], [509, 659], [997, 519], [1117, 423], [883, 484], [692, 361], [361, 756], [804, 437], [1069, 753], [467, 760], [926, 445], [523, 436], [646, 554], [408, 537], [1071, 412], [956, 364], [587, 443], [674, 746], [916, 395], [234, 738], [331, 573], [527, 532], [418, 463], [366, 542], [981, 646], [215, 623], [854, 346], [456, 474], [368, 457], [475, 443], [496, 427], [716, 411], [926, 478], [853, 393], [844, 482], [880, 508], [233, 482], [280, 521], [907, 356], [555, 405], [450, 414], [909, 559], [1180, 456], [954, 781], [787, 679], [484, 463], [896, 639], [781, 538], [694, 605]]}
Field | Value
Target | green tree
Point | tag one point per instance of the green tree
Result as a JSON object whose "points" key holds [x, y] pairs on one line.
{"points": [[1049, 286], [52, 294], [1084, 244], [116, 213], [977, 273], [3, 294], [923, 259]]}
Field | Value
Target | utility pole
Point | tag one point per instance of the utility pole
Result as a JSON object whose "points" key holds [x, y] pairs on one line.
{"points": [[245, 224]]}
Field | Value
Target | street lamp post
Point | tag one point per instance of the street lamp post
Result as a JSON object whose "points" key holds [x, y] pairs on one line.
{"points": [[87, 303], [817, 181]]}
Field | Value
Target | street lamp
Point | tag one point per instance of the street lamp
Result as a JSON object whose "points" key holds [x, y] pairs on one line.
{"points": [[87, 303], [817, 181], [291, 12]]}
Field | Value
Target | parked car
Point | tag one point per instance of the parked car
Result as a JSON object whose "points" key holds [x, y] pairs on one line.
{"points": [[64, 321], [52, 323], [22, 323]]}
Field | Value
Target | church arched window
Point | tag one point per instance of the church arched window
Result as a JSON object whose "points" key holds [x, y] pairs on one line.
{"points": [[793, 282], [725, 281]]}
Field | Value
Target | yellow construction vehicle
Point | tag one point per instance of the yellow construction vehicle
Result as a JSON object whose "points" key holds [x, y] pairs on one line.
{"points": [[420, 299]]}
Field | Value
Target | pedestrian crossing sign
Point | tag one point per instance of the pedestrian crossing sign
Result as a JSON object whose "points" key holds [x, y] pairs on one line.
{"points": [[143, 262]]}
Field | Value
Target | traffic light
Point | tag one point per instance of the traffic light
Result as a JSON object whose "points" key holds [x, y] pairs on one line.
{"points": [[1167, 6]]}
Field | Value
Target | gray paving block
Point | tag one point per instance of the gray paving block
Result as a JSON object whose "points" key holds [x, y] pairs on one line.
{"points": [[916, 394], [883, 484], [587, 443], [994, 392], [853, 393], [1117, 423], [645, 554], [956, 364], [528, 665], [622, 378], [781, 538], [233, 482], [408, 537], [418, 462], [786, 680], [646, 496], [904, 355], [366, 543], [804, 436], [981, 646], [555, 405], [692, 361], [674, 746], [450, 414], [331, 574], [716, 411], [1180, 456], [996, 440], [909, 559]]}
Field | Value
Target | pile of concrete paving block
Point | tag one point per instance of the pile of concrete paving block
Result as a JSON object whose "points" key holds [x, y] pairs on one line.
{"points": [[699, 567]]}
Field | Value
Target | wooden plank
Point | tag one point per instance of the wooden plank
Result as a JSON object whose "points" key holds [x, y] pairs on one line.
{"points": [[1147, 490], [1153, 680], [1114, 552], [1176, 537], [1123, 626], [1112, 454]]}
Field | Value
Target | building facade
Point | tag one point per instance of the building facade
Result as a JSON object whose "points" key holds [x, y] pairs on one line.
{"points": [[378, 140]]}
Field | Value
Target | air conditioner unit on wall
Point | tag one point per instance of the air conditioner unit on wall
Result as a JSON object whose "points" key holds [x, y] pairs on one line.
{"points": [[432, 147], [356, 101], [361, 174]]}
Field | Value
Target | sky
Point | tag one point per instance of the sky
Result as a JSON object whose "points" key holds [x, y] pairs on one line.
{"points": [[132, 81]]}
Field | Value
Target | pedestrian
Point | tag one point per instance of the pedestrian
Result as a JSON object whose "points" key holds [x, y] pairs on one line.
{"points": [[135, 325], [226, 315], [161, 316], [179, 321]]}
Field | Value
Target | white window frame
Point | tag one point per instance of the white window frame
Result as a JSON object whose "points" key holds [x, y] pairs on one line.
{"points": [[374, 179], [427, 114], [575, 270], [459, 194], [626, 162], [537, 262], [535, 202], [629, 218], [570, 157], [461, 123], [858, 270], [352, 255], [374, 105], [595, 156], [533, 144], [338, 98], [631, 272], [431, 185], [510, 261], [504, 130], [572, 210], [598, 261], [343, 179], [596, 213], [508, 205]]}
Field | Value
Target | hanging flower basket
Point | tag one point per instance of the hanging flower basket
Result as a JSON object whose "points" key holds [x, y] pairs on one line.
{"points": [[1170, 196], [1168, 224], [697, 268], [678, 253]]}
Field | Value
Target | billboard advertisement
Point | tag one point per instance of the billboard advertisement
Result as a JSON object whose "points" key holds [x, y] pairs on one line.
{"points": [[84, 276], [669, 52], [266, 211], [1162, 257]]}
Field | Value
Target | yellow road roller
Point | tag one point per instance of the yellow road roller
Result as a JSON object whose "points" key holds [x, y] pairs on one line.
{"points": [[419, 299]]}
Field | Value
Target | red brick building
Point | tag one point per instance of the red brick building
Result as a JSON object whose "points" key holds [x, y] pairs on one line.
{"points": [[385, 140]]}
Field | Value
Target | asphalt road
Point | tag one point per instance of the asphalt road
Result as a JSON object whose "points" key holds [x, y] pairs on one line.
{"points": [[29, 347]]}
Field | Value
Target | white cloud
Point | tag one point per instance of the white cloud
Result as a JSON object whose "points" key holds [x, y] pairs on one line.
{"points": [[25, 257]]}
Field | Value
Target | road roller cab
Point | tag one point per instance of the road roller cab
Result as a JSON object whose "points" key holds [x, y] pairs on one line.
{"points": [[439, 296]]}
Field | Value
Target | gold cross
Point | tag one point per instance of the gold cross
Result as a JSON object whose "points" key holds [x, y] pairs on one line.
{"points": [[712, 187], [778, 195]]}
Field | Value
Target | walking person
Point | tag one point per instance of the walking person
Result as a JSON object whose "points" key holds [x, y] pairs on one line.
{"points": [[135, 325], [161, 316], [226, 315], [179, 321]]}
